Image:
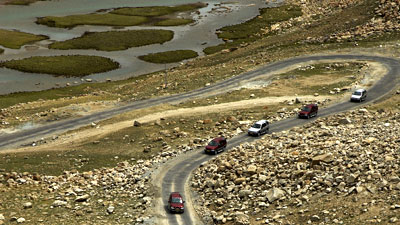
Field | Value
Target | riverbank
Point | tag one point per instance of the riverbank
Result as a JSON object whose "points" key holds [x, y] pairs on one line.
{"points": [[195, 37]]}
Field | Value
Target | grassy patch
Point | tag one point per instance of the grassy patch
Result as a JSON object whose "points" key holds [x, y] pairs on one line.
{"points": [[21, 2], [390, 103], [68, 66], [129, 143], [115, 40], [173, 22], [249, 31], [71, 93], [16, 39], [169, 56], [379, 39], [124, 17], [55, 162], [318, 78], [157, 10], [106, 19]]}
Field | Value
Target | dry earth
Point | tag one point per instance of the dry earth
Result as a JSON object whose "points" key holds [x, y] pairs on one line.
{"points": [[77, 137], [372, 190]]}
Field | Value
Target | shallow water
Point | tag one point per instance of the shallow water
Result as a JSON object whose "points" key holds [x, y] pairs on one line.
{"points": [[195, 37]]}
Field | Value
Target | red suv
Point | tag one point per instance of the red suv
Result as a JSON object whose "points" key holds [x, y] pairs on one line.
{"points": [[216, 145], [308, 111], [175, 203]]}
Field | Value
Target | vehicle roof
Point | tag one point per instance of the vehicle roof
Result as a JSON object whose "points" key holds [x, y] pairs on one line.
{"points": [[219, 139], [310, 105], [261, 121], [176, 195], [361, 89]]}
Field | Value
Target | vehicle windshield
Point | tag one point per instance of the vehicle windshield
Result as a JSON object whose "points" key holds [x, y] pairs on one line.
{"points": [[305, 109], [176, 200], [256, 125], [357, 93], [213, 143]]}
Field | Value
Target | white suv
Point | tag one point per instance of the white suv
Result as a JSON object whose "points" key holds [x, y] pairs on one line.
{"points": [[260, 127], [359, 95]]}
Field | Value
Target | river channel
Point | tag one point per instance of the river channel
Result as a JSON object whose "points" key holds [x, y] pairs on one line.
{"points": [[196, 36]]}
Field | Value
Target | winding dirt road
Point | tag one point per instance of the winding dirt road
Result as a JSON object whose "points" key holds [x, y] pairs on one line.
{"points": [[175, 174]]}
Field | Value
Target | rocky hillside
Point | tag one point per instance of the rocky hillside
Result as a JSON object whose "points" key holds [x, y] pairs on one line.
{"points": [[386, 18], [284, 176]]}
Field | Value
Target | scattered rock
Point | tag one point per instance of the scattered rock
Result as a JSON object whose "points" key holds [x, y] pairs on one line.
{"points": [[275, 194], [59, 203], [82, 198], [110, 209], [27, 205], [343, 155]]}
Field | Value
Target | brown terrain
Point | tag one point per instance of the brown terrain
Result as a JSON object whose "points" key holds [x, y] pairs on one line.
{"points": [[342, 169]]}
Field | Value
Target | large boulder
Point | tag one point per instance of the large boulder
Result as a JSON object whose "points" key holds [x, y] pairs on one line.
{"points": [[326, 158], [241, 218], [275, 194]]}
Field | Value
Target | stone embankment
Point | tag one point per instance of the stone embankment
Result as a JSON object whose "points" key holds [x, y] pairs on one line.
{"points": [[386, 18], [347, 155]]}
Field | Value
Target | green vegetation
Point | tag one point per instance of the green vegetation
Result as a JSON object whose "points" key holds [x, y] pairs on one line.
{"points": [[197, 73], [1, 50], [123, 17], [173, 22], [69, 66], [21, 2], [249, 31], [169, 56], [54, 163], [55, 94], [157, 10], [115, 40], [317, 78], [106, 19], [125, 144], [16, 39]]}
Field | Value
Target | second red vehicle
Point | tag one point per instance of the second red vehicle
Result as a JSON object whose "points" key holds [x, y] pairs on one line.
{"points": [[216, 145], [308, 111]]}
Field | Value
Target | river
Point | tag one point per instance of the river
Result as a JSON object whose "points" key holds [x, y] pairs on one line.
{"points": [[196, 37]]}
